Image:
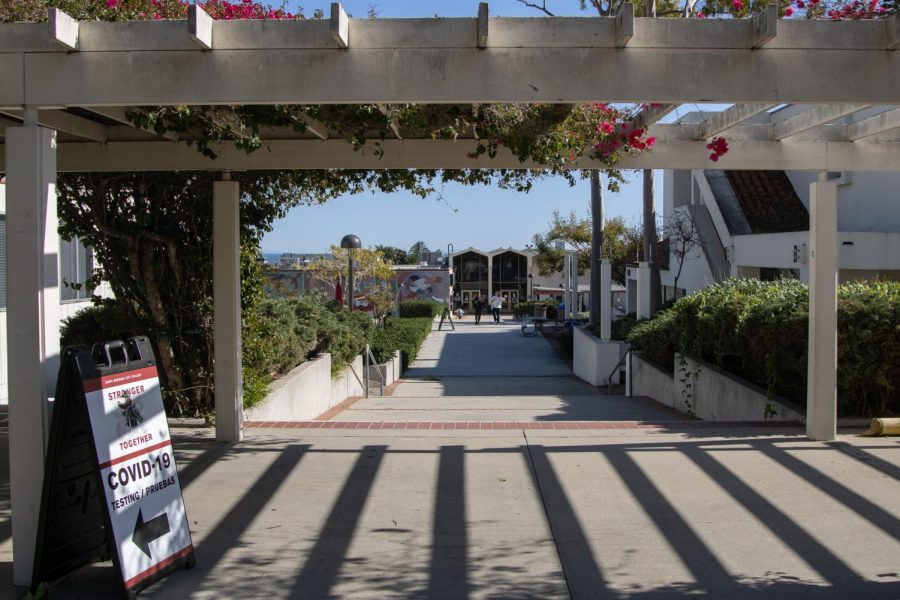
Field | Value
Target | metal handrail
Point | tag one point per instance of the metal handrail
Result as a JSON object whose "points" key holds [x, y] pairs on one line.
{"points": [[616, 368], [369, 360]]}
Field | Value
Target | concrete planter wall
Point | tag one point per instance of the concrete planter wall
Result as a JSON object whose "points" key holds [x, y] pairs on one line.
{"points": [[644, 378], [390, 370], [701, 389], [593, 360], [308, 391]]}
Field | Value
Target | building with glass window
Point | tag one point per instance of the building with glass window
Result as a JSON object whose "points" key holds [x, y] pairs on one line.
{"points": [[76, 265], [480, 272]]}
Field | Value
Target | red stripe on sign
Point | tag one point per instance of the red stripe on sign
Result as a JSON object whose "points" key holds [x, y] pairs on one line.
{"points": [[92, 385], [157, 567], [134, 454]]}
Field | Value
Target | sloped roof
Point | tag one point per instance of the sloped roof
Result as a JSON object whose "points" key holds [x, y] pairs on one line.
{"points": [[768, 201]]}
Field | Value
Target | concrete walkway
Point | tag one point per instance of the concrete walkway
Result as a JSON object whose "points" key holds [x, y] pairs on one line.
{"points": [[610, 514], [522, 482], [492, 373]]}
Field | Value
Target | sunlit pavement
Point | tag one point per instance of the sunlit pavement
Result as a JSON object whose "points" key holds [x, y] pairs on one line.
{"points": [[519, 481]]}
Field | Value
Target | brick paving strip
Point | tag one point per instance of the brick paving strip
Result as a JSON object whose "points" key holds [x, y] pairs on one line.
{"points": [[507, 425]]}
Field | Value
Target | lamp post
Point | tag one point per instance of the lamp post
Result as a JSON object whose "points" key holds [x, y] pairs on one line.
{"points": [[350, 242], [531, 287]]}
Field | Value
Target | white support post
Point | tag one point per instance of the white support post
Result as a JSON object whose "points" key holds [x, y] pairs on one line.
{"points": [[643, 291], [490, 291], [576, 301], [227, 301], [821, 387], [605, 299], [32, 263]]}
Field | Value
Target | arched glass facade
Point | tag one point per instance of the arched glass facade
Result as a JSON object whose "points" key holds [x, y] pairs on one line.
{"points": [[510, 276], [476, 273], [471, 274]]}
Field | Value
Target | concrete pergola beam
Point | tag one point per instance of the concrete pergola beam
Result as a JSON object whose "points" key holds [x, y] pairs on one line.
{"points": [[340, 25], [813, 118], [765, 25], [483, 25], [435, 154], [63, 29], [437, 60], [873, 126], [731, 117], [200, 27], [67, 123]]}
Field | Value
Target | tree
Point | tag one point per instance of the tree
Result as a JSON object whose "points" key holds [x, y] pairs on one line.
{"points": [[415, 252], [393, 255], [684, 238], [369, 269], [621, 244]]}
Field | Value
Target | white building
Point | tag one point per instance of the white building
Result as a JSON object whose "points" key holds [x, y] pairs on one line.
{"points": [[76, 264], [756, 224]]}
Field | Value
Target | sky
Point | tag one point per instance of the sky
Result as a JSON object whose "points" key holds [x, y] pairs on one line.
{"points": [[477, 216]]}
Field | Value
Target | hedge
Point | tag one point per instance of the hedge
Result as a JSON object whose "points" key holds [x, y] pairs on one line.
{"points": [[281, 334], [410, 309], [404, 334], [759, 331]]}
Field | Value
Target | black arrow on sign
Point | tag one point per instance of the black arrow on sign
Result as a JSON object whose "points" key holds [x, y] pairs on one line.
{"points": [[146, 532]]}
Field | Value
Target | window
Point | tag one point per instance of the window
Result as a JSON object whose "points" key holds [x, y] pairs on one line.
{"points": [[76, 264]]}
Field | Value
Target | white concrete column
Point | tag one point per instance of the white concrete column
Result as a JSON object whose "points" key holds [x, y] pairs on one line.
{"points": [[605, 299], [32, 300], [643, 291], [821, 387], [227, 299]]}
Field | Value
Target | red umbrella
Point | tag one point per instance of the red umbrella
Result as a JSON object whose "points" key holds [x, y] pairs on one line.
{"points": [[339, 293]]}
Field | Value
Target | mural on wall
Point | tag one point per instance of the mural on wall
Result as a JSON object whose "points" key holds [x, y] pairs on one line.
{"points": [[288, 283], [423, 285]]}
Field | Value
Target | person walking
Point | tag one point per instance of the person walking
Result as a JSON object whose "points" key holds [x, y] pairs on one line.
{"points": [[478, 305], [496, 304]]}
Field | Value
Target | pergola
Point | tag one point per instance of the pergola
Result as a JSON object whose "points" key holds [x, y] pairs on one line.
{"points": [[66, 88]]}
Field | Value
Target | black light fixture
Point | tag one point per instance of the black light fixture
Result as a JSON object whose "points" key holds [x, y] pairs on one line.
{"points": [[531, 287], [350, 242]]}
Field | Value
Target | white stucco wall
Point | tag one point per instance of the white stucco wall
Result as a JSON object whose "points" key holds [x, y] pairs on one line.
{"points": [[868, 216], [868, 202]]}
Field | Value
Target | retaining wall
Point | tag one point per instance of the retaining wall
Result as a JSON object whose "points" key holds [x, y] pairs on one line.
{"points": [[701, 389]]}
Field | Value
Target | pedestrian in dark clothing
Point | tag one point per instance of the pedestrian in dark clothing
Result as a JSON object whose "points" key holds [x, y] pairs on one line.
{"points": [[478, 305]]}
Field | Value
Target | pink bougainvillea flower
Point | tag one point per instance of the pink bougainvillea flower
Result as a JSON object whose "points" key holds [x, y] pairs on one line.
{"points": [[737, 4], [111, 3], [714, 157], [788, 11]]}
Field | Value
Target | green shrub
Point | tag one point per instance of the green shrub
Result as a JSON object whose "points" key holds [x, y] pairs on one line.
{"points": [[285, 332], [411, 309], [620, 327], [404, 334], [759, 331], [104, 322]]}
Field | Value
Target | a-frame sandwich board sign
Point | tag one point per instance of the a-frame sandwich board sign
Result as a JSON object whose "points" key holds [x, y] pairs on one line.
{"points": [[111, 488]]}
